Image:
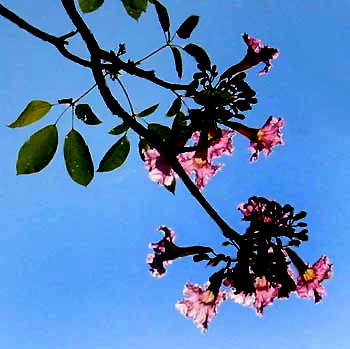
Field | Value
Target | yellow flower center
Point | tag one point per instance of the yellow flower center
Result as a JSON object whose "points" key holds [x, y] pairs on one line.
{"points": [[309, 275], [260, 135], [261, 283], [208, 296], [200, 157]]}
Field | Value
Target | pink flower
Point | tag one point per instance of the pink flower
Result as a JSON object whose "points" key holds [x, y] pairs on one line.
{"points": [[197, 164], [158, 167], [221, 146], [200, 304], [242, 298], [200, 165], [202, 170], [259, 52], [264, 294], [309, 283], [266, 138], [164, 252], [263, 291]]}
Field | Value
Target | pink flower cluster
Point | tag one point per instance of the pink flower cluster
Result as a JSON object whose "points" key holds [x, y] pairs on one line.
{"points": [[308, 286], [201, 304], [247, 286], [263, 210], [199, 167]]}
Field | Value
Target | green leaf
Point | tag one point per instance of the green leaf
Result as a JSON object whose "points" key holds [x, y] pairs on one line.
{"points": [[178, 60], [174, 108], [143, 146], [134, 8], [38, 151], [34, 111], [118, 130], [162, 131], [179, 128], [115, 156], [199, 55], [186, 28], [85, 114], [148, 111], [162, 16], [88, 6], [78, 159]]}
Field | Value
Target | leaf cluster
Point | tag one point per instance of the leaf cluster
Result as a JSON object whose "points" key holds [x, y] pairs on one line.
{"points": [[38, 151]]}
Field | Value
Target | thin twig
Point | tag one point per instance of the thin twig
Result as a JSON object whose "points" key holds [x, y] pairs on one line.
{"points": [[126, 95], [117, 63]]}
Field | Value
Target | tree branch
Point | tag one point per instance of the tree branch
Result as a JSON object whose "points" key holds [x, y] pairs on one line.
{"points": [[60, 42], [116, 108]]}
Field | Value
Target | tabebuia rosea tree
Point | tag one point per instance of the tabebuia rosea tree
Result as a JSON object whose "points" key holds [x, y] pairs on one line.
{"points": [[208, 111]]}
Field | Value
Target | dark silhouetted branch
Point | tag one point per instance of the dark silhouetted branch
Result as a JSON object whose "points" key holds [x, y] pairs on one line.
{"points": [[116, 109]]}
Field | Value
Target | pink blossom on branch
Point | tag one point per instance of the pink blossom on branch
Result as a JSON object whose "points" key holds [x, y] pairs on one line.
{"points": [[261, 210], [242, 298], [200, 304], [200, 165], [194, 163], [266, 138], [164, 251], [158, 167], [309, 283], [259, 52], [201, 170], [253, 206], [264, 294], [221, 146]]}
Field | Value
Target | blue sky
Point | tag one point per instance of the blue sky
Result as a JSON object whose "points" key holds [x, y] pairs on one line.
{"points": [[72, 259]]}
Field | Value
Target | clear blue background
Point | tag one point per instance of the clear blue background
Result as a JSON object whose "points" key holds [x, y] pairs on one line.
{"points": [[72, 259]]}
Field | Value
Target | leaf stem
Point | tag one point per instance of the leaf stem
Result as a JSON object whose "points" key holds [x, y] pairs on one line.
{"points": [[126, 95], [151, 54], [85, 93], [59, 116]]}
